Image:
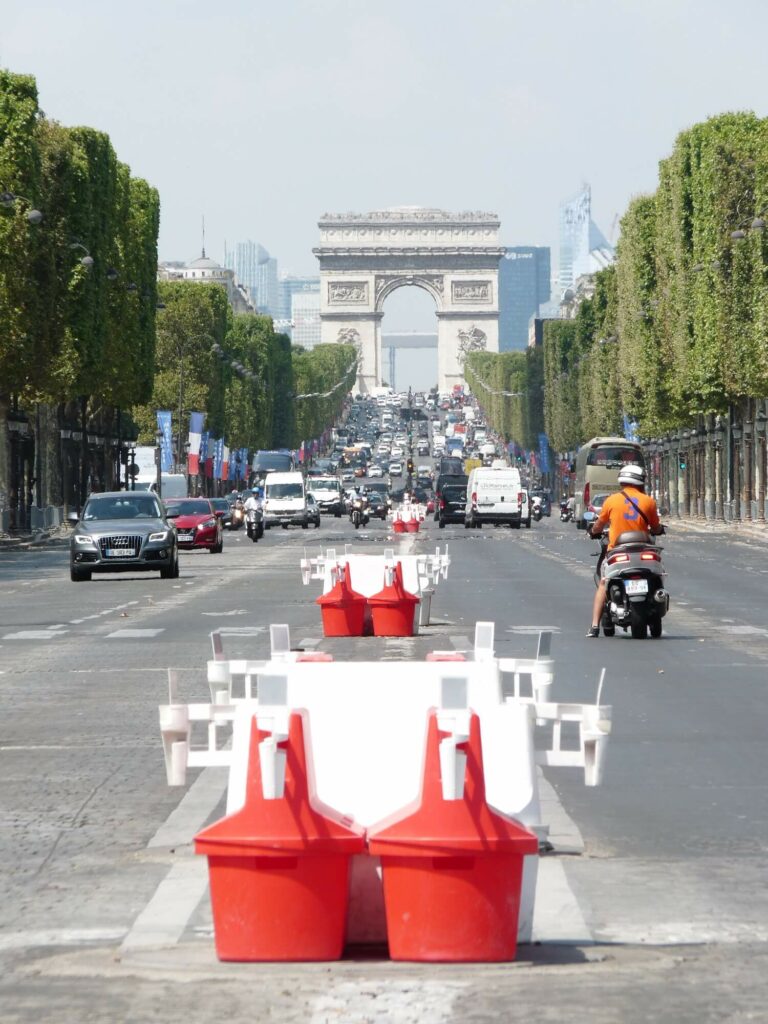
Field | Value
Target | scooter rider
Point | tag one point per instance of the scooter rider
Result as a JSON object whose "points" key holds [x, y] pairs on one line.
{"points": [[630, 509], [252, 501]]}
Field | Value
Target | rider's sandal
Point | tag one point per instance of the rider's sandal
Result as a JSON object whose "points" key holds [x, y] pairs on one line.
{"points": [[593, 632]]}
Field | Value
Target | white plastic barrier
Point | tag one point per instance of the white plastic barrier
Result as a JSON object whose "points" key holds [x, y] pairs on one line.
{"points": [[368, 722], [421, 573]]}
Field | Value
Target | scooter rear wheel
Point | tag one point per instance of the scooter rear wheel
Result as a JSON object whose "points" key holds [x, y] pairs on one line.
{"points": [[637, 625], [655, 627]]}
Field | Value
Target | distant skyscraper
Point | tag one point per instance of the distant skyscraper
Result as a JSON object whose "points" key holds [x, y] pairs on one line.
{"points": [[305, 317], [524, 285], [258, 271], [583, 248], [288, 286]]}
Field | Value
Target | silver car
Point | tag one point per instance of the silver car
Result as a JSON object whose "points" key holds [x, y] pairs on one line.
{"points": [[123, 531]]}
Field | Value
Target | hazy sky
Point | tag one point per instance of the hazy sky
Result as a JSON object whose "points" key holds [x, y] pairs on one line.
{"points": [[263, 115]]}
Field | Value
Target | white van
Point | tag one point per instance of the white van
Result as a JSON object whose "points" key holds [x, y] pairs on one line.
{"points": [[496, 496], [174, 485], [285, 501]]}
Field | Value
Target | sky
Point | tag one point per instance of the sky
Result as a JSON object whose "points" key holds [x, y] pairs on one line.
{"points": [[262, 115]]}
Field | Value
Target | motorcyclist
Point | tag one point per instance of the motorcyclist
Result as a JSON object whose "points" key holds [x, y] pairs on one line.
{"points": [[252, 501], [629, 509]]}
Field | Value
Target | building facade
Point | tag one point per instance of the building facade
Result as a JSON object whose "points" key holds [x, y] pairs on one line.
{"points": [[305, 317], [207, 271], [453, 256], [524, 287]]}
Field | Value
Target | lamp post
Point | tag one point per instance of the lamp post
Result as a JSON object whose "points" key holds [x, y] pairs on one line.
{"points": [[719, 436], [159, 462], [760, 466], [736, 463]]}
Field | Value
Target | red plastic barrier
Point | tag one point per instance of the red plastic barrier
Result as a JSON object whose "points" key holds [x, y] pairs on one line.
{"points": [[342, 609], [412, 525], [393, 607], [398, 526], [445, 656], [452, 868], [279, 869]]}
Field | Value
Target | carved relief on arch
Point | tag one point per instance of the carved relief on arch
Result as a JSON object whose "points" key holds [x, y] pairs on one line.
{"points": [[387, 283]]}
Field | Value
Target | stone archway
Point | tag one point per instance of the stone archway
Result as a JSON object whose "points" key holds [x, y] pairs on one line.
{"points": [[365, 257]]}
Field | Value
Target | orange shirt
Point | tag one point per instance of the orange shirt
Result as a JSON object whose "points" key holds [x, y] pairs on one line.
{"points": [[623, 516]]}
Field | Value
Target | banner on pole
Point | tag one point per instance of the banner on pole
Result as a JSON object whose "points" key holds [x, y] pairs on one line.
{"points": [[166, 444], [196, 422]]}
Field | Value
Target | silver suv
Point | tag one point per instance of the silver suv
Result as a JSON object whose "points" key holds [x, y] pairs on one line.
{"points": [[123, 531]]}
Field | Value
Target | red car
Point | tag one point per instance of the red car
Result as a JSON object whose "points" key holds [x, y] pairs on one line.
{"points": [[197, 525]]}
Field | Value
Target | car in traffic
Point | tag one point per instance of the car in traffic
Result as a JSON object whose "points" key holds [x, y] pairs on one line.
{"points": [[375, 470], [122, 531], [451, 504], [197, 525], [395, 469], [377, 505], [223, 510]]}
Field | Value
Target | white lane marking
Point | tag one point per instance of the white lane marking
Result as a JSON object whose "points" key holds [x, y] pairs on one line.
{"points": [[163, 920], [193, 811], [59, 937], [133, 634], [35, 634], [121, 671], [235, 611], [407, 1001]]}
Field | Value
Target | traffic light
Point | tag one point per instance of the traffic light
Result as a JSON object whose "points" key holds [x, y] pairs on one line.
{"points": [[681, 461], [410, 465]]}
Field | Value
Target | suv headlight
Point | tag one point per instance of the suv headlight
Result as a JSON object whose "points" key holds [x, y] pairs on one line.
{"points": [[163, 535], [85, 540]]}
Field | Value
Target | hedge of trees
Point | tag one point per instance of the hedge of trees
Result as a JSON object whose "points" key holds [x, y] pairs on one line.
{"points": [[256, 391], [67, 330], [508, 387], [678, 327]]}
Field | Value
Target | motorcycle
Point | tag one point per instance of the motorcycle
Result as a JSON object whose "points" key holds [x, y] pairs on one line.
{"points": [[254, 523], [237, 515], [358, 515], [536, 509], [636, 599], [566, 512]]}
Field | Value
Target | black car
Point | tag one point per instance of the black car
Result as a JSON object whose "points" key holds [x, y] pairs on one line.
{"points": [[452, 504], [123, 531], [223, 511], [377, 505]]}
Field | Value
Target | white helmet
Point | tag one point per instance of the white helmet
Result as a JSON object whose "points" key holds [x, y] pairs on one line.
{"points": [[633, 475]]}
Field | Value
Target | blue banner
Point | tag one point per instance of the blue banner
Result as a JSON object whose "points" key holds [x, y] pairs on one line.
{"points": [[204, 439], [218, 457], [166, 445], [544, 466], [630, 428]]}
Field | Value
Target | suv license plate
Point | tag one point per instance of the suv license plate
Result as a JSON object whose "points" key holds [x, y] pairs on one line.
{"points": [[636, 586], [119, 552]]}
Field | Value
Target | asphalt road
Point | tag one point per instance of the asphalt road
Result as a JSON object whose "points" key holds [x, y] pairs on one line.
{"points": [[662, 909]]}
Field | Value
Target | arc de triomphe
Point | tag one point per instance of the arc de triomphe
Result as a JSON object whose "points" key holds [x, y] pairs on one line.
{"points": [[454, 256]]}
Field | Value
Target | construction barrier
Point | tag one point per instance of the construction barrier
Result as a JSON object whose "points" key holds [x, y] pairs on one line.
{"points": [[367, 723]]}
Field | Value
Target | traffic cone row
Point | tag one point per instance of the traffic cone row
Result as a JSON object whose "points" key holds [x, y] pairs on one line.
{"points": [[279, 867], [388, 613]]}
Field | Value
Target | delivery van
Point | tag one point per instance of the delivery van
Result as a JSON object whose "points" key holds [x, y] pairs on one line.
{"points": [[496, 496], [285, 500]]}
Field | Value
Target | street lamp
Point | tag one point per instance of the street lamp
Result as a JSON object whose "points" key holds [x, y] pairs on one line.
{"points": [[8, 202], [159, 462], [85, 261]]}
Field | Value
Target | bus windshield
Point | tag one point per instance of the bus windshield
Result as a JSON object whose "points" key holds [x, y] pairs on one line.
{"points": [[612, 456]]}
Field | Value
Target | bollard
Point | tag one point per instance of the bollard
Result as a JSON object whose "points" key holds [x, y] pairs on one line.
{"points": [[452, 867], [279, 866], [342, 608], [392, 609]]}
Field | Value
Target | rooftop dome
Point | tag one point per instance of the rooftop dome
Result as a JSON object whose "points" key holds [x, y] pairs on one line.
{"points": [[204, 263]]}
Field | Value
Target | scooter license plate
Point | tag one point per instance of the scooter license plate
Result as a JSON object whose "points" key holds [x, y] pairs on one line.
{"points": [[636, 586]]}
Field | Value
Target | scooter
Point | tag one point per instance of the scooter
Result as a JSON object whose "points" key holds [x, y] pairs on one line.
{"points": [[359, 513], [237, 515], [536, 510], [566, 512], [254, 524], [636, 599]]}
